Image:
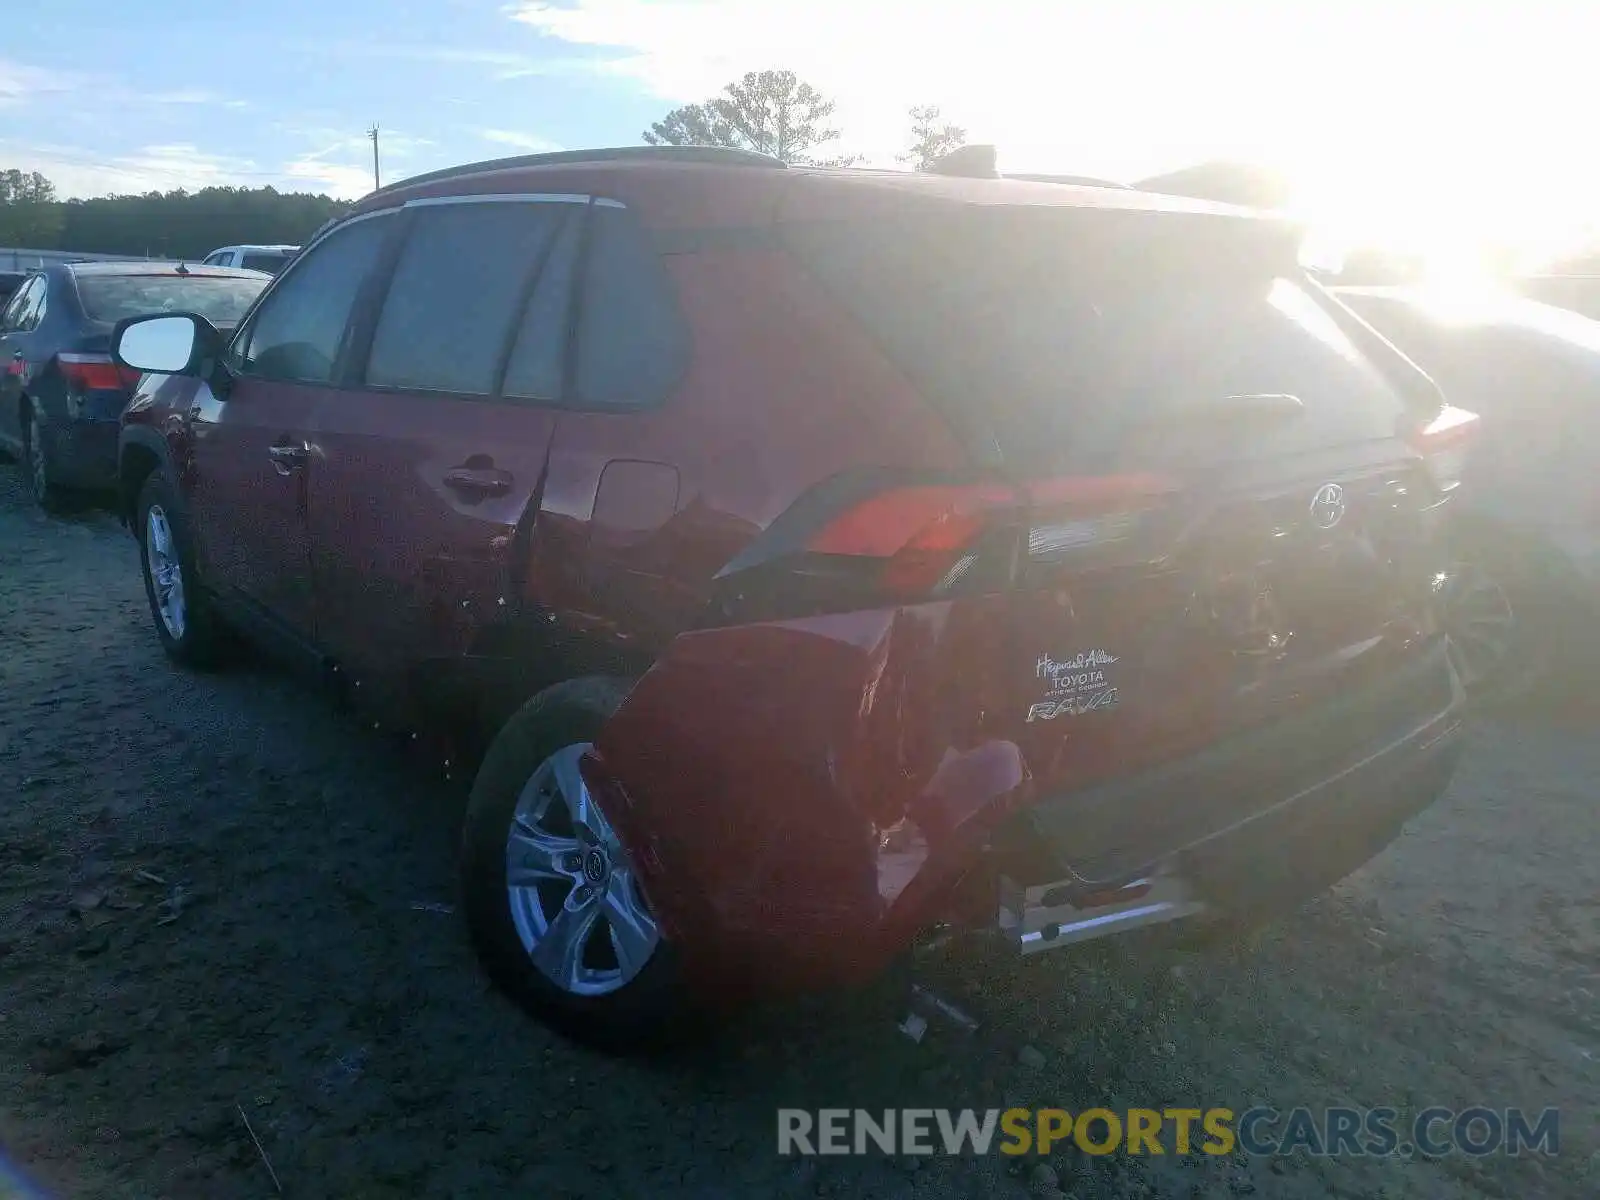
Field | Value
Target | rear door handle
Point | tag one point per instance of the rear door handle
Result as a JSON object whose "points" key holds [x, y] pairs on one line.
{"points": [[478, 481], [286, 460]]}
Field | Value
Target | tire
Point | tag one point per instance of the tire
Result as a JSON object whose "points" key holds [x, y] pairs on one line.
{"points": [[194, 639], [592, 994], [36, 471], [1505, 616]]}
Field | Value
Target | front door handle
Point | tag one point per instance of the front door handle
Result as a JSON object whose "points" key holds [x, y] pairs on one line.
{"points": [[479, 481], [286, 460]]}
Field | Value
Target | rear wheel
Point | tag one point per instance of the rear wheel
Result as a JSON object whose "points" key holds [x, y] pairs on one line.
{"points": [[182, 615], [1503, 613], [37, 468], [552, 901]]}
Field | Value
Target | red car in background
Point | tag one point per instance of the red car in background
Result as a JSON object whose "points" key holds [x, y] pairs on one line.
{"points": [[822, 555]]}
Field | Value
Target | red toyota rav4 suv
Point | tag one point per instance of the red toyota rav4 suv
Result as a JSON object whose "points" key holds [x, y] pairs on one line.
{"points": [[826, 555]]}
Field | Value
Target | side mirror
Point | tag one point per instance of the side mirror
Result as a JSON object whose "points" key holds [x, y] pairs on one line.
{"points": [[165, 344]]}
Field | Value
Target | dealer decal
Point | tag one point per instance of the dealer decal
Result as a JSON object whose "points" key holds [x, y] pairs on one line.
{"points": [[1083, 683]]}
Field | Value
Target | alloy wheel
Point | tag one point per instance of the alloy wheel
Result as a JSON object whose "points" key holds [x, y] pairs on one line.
{"points": [[166, 572], [575, 902], [1482, 626]]}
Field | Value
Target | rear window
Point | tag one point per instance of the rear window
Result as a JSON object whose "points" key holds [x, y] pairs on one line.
{"points": [[220, 299], [270, 263], [1051, 338]]}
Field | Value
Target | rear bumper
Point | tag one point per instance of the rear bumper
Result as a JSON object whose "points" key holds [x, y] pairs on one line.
{"points": [[83, 453], [777, 863], [1279, 854]]}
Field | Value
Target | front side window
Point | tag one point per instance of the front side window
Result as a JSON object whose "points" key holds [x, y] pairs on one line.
{"points": [[458, 291], [299, 329]]}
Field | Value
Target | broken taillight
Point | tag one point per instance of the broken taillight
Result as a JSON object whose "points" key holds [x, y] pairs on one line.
{"points": [[932, 539], [923, 535], [1074, 517]]}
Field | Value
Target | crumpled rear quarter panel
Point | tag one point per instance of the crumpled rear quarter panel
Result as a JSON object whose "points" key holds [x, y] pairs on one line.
{"points": [[801, 794]]}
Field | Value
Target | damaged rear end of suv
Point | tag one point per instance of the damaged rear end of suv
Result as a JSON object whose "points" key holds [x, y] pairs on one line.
{"points": [[1164, 647]]}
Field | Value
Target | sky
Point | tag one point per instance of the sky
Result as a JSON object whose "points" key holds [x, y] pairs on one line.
{"points": [[1417, 122]]}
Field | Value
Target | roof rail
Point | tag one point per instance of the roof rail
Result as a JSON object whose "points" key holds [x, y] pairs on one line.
{"points": [[726, 156], [1080, 180]]}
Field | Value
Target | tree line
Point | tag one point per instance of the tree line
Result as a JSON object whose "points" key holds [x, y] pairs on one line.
{"points": [[175, 224], [773, 112]]}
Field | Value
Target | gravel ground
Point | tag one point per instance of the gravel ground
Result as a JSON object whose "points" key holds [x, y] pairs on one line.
{"points": [[219, 899]]}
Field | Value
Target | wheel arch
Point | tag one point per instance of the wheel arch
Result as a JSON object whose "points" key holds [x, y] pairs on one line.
{"points": [[140, 454], [510, 662]]}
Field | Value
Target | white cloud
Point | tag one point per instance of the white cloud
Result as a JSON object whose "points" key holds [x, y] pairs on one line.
{"points": [[20, 83], [189, 96], [340, 180], [77, 172], [502, 64], [521, 141], [23, 84], [342, 166]]}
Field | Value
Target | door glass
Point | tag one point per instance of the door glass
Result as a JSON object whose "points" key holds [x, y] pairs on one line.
{"points": [[33, 305], [456, 294], [299, 329], [539, 356], [633, 344]]}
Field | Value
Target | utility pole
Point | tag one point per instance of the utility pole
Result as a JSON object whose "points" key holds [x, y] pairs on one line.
{"points": [[373, 134]]}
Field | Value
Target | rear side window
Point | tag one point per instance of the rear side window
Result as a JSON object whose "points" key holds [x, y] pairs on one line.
{"points": [[220, 299], [633, 345], [457, 293], [299, 329], [23, 305], [1051, 340]]}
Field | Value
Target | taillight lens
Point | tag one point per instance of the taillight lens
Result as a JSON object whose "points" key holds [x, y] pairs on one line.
{"points": [[1444, 444], [96, 373], [932, 539]]}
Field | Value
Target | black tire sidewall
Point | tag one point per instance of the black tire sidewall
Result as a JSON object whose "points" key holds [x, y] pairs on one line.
{"points": [[34, 442], [197, 647], [1537, 612], [638, 1015]]}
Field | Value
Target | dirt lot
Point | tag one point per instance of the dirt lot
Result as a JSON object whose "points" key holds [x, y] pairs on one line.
{"points": [[214, 901]]}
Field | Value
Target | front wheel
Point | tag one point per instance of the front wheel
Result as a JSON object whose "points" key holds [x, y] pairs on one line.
{"points": [[552, 901], [182, 616]]}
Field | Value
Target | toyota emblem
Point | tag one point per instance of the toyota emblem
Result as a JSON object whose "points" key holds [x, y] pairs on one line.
{"points": [[1328, 506]]}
